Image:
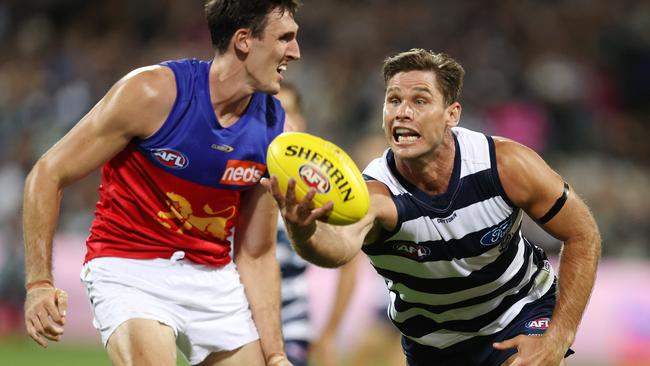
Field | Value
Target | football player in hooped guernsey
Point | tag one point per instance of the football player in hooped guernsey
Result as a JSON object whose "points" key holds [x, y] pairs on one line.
{"points": [[443, 229], [183, 147]]}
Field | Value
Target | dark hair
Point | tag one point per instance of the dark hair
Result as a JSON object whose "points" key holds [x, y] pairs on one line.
{"points": [[449, 73], [226, 16]]}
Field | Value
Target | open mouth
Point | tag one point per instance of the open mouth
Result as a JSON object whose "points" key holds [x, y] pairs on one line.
{"points": [[405, 135], [281, 69]]}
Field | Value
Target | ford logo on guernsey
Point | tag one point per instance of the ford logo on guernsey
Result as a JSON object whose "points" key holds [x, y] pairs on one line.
{"points": [[171, 158], [495, 235], [412, 250], [539, 323], [314, 178]]}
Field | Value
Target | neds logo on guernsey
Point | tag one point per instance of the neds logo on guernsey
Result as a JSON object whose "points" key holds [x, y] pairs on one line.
{"points": [[242, 172]]}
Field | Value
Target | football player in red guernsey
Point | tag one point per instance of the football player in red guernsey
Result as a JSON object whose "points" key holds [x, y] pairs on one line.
{"points": [[182, 147]]}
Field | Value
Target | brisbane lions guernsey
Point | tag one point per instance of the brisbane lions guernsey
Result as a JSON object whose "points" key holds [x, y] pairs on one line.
{"points": [[456, 264], [179, 189]]}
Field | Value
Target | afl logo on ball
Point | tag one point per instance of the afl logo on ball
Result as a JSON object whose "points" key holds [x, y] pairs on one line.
{"points": [[314, 178], [170, 158]]}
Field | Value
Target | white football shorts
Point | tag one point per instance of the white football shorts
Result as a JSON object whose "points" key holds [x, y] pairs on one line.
{"points": [[205, 306]]}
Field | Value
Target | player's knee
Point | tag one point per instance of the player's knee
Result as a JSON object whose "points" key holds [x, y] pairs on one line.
{"points": [[142, 342]]}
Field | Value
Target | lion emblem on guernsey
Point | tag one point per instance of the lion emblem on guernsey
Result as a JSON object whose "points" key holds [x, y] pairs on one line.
{"points": [[210, 222]]}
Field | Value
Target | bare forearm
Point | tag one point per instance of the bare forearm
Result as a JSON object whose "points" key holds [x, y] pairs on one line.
{"points": [[326, 247], [578, 263], [261, 279], [41, 202]]}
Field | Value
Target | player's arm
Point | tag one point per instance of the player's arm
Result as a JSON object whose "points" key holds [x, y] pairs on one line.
{"points": [[532, 185], [258, 267], [135, 106], [323, 244]]}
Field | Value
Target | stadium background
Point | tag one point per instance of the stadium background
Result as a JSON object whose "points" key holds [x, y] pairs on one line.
{"points": [[569, 78]]}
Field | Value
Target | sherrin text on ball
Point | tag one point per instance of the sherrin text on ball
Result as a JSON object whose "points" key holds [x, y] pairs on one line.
{"points": [[321, 165]]}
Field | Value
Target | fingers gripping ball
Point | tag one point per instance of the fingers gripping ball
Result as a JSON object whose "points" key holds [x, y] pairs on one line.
{"points": [[319, 164]]}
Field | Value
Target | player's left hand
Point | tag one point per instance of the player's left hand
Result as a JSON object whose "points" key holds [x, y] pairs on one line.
{"points": [[278, 359], [533, 351]]}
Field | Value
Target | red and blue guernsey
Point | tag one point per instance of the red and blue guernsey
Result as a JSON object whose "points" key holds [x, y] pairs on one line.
{"points": [[179, 189]]}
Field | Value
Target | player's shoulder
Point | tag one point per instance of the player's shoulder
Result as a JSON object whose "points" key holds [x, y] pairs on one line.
{"points": [[151, 83], [379, 188], [513, 156], [148, 93], [382, 212], [522, 172]]}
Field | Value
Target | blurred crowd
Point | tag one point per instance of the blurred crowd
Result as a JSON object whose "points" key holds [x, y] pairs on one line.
{"points": [[571, 79]]}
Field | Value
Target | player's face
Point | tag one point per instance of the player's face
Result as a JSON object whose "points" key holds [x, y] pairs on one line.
{"points": [[415, 115], [270, 54]]}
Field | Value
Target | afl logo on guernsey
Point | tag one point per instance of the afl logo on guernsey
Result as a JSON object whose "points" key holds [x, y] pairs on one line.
{"points": [[170, 158], [539, 323], [314, 178], [412, 250]]}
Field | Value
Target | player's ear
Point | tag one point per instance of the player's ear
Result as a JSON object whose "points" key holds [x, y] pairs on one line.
{"points": [[453, 114], [241, 40]]}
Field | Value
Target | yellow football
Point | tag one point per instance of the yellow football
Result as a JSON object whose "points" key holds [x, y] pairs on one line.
{"points": [[319, 164]]}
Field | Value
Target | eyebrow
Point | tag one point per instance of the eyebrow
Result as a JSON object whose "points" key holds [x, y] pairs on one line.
{"points": [[291, 34], [422, 90], [416, 90]]}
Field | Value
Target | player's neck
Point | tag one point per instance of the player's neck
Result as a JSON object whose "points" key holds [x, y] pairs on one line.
{"points": [[432, 172], [229, 90]]}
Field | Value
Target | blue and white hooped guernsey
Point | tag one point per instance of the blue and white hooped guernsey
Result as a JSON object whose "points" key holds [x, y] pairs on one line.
{"points": [[456, 264]]}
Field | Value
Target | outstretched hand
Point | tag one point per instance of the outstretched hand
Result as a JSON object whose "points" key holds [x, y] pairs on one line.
{"points": [[45, 310], [299, 215], [533, 351]]}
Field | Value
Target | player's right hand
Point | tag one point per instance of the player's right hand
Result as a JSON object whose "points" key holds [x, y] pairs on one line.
{"points": [[45, 310], [299, 215]]}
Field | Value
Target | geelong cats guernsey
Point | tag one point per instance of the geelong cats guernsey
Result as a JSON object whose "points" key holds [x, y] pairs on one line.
{"points": [[456, 264], [179, 189]]}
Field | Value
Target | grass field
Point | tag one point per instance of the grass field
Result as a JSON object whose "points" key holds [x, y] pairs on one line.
{"points": [[22, 352]]}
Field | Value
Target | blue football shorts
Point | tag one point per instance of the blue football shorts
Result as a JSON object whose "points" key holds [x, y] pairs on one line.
{"points": [[533, 320]]}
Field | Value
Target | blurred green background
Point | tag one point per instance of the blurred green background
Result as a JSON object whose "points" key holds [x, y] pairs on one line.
{"points": [[23, 352]]}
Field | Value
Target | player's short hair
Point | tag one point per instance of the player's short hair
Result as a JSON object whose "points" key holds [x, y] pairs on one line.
{"points": [[226, 16], [449, 73]]}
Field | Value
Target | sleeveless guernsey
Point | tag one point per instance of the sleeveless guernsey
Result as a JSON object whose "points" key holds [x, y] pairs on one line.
{"points": [[456, 265], [179, 189]]}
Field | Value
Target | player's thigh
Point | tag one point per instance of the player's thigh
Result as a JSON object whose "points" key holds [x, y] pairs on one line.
{"points": [[249, 354], [512, 358], [142, 342]]}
